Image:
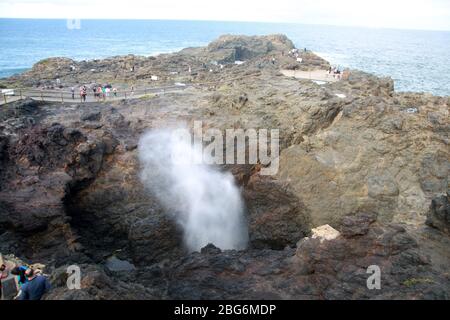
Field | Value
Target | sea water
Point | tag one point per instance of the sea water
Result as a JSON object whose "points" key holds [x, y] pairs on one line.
{"points": [[416, 60]]}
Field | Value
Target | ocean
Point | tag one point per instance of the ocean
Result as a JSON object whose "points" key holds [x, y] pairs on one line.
{"points": [[417, 60]]}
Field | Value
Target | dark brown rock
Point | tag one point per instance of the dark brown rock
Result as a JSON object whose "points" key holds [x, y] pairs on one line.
{"points": [[439, 214], [357, 225]]}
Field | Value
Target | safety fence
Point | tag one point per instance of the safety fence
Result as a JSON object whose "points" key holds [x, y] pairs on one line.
{"points": [[11, 95]]}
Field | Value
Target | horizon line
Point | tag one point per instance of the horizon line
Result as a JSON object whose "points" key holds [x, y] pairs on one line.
{"points": [[237, 21]]}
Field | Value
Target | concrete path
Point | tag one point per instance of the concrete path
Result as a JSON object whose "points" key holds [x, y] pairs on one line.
{"points": [[65, 96], [318, 75]]}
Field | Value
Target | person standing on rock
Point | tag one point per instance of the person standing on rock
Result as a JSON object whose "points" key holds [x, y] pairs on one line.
{"points": [[36, 286]]}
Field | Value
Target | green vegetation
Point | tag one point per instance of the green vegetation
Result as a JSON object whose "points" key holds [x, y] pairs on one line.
{"points": [[414, 281], [148, 96]]}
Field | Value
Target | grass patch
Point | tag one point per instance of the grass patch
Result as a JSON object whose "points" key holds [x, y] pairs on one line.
{"points": [[148, 96], [44, 62], [223, 88], [415, 281]]}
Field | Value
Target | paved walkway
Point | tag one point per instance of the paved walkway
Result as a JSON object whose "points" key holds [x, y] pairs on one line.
{"points": [[318, 75], [65, 96]]}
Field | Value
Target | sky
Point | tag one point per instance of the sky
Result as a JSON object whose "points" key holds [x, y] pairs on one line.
{"points": [[402, 14]]}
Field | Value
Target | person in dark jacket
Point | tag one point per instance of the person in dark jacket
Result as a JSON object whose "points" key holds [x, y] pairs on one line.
{"points": [[36, 286]]}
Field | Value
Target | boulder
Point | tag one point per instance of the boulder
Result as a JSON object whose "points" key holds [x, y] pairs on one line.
{"points": [[91, 116], [9, 288], [210, 249], [325, 233], [357, 225], [115, 264], [439, 214]]}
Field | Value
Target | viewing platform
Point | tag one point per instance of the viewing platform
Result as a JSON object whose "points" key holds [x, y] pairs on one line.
{"points": [[316, 75]]}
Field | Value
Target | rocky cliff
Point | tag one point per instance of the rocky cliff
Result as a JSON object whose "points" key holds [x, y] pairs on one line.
{"points": [[355, 155]]}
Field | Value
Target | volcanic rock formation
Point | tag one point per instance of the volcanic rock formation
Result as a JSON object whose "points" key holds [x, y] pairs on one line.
{"points": [[355, 155]]}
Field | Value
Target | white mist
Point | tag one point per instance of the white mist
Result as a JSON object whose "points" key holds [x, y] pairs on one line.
{"points": [[205, 202]]}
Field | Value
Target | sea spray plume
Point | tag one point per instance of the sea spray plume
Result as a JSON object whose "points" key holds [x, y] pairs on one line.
{"points": [[205, 202]]}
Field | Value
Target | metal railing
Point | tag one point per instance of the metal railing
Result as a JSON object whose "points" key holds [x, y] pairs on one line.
{"points": [[68, 96]]}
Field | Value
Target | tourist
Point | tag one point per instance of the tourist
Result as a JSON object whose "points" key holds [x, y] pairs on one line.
{"points": [[20, 273], [294, 52], [3, 275], [333, 71], [99, 92], [72, 90], [115, 92], [103, 92], [83, 93], [36, 286]]}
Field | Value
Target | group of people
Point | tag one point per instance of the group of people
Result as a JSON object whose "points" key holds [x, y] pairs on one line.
{"points": [[335, 72], [32, 284], [100, 92], [294, 53]]}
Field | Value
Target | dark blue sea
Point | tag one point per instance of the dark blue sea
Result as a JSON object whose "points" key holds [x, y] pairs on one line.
{"points": [[416, 60]]}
